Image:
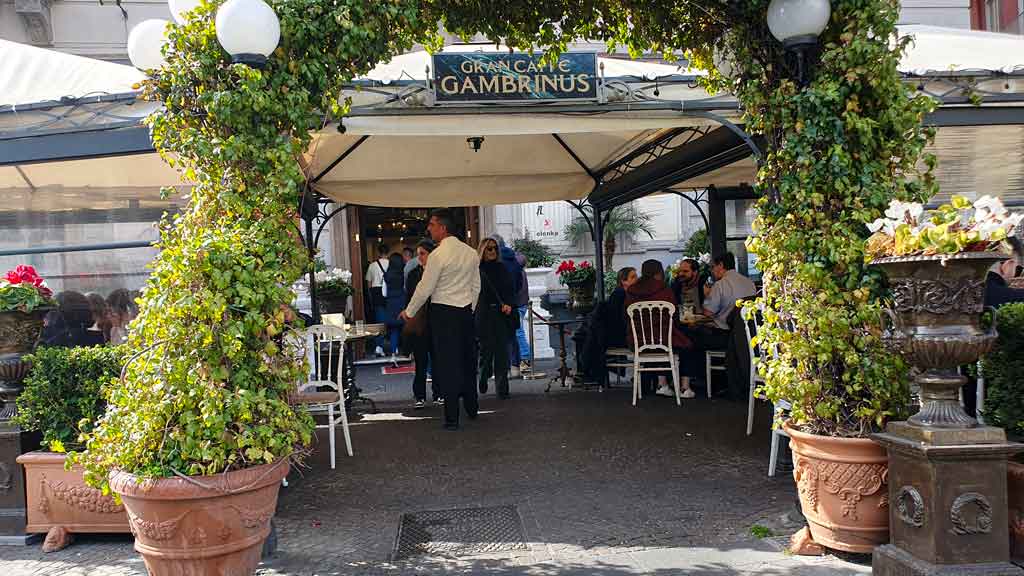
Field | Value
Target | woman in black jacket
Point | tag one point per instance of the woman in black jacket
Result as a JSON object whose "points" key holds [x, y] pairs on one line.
{"points": [[494, 321], [421, 344]]}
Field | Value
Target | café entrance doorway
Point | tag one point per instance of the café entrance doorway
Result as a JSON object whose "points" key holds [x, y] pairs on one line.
{"points": [[394, 228]]}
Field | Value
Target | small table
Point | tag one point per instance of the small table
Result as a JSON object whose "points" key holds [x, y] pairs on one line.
{"points": [[563, 368], [353, 393]]}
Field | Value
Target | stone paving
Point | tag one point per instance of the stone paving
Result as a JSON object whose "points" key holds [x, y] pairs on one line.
{"points": [[602, 487]]}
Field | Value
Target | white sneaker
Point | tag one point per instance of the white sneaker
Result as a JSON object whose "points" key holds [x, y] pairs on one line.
{"points": [[688, 394], [665, 391], [379, 351]]}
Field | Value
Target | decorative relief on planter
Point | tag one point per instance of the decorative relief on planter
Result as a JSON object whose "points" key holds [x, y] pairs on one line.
{"points": [[939, 296], [910, 506], [81, 497], [850, 482], [158, 531], [964, 522], [253, 518]]}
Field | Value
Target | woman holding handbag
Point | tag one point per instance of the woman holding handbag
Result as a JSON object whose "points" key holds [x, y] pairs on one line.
{"points": [[495, 323], [416, 334]]}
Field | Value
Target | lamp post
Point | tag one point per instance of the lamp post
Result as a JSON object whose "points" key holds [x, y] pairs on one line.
{"points": [[248, 30], [797, 24], [145, 42]]}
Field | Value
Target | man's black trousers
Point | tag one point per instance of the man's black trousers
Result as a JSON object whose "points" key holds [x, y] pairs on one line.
{"points": [[454, 358]]}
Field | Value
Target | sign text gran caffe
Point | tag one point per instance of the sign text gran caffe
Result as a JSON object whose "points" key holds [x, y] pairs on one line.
{"points": [[503, 77]]}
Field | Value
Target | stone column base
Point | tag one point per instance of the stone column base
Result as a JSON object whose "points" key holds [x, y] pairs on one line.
{"points": [[888, 560]]}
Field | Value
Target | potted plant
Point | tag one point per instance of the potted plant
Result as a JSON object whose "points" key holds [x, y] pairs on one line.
{"points": [[62, 398], [333, 289], [1003, 371], [936, 263], [580, 279], [24, 302]]}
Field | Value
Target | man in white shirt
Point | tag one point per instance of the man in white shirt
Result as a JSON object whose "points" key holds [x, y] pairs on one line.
{"points": [[375, 280], [452, 284], [730, 286]]}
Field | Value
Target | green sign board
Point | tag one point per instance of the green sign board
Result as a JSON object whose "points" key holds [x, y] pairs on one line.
{"points": [[469, 77]]}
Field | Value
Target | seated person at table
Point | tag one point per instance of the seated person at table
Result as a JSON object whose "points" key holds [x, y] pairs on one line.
{"points": [[615, 322], [997, 284], [651, 287], [720, 300], [687, 286]]}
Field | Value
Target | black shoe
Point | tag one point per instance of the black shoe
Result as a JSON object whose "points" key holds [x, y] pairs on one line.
{"points": [[471, 415], [418, 405], [483, 387], [454, 426]]}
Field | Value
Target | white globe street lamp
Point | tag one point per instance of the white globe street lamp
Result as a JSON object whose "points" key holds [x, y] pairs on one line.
{"points": [[144, 44], [798, 22], [249, 31], [180, 7]]}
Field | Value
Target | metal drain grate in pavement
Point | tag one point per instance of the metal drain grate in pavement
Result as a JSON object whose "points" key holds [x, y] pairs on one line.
{"points": [[459, 532]]}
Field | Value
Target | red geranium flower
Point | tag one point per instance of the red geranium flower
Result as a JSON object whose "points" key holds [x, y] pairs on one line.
{"points": [[23, 274]]}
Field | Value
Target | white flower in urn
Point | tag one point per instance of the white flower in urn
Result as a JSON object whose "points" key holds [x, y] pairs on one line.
{"points": [[704, 259]]}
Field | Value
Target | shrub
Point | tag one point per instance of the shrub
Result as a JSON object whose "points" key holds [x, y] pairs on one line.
{"points": [[698, 243], [64, 392], [1003, 369], [538, 254]]}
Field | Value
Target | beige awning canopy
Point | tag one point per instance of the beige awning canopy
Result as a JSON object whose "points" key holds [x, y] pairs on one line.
{"points": [[422, 161]]}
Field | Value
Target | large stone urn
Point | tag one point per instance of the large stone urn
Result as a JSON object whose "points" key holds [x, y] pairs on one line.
{"points": [[947, 475], [581, 295]]}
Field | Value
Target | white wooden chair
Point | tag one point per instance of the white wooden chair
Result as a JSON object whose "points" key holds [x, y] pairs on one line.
{"points": [[719, 356], [751, 319], [651, 325], [773, 460], [616, 358], [311, 342]]}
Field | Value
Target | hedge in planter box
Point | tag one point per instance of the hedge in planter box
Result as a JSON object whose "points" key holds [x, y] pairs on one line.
{"points": [[1003, 370], [63, 395], [63, 398]]}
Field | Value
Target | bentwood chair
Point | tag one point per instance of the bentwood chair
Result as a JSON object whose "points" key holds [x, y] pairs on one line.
{"points": [[318, 344], [651, 324]]}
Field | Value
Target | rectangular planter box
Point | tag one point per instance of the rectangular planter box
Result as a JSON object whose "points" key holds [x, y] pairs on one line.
{"points": [[60, 503]]}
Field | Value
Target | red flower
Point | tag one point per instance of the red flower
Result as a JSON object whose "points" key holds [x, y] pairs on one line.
{"points": [[584, 264], [24, 275], [566, 266]]}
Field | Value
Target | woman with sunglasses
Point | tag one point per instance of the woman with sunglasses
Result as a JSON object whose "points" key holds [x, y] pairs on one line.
{"points": [[494, 320]]}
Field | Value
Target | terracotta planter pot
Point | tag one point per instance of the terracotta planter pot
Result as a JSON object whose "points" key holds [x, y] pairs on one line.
{"points": [[60, 503], [843, 490], [1015, 506], [203, 525]]}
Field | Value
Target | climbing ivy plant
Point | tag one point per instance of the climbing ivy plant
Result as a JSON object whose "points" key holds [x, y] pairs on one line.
{"points": [[206, 389]]}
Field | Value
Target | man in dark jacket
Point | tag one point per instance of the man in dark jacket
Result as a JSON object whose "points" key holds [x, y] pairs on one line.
{"points": [[997, 287]]}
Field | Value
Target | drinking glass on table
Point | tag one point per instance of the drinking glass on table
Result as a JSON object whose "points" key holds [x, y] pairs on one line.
{"points": [[360, 326]]}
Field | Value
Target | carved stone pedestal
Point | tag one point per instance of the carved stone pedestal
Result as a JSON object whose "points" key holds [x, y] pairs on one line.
{"points": [[13, 443], [947, 498]]}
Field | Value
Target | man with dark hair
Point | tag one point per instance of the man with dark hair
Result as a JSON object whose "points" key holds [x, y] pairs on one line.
{"points": [[411, 261], [687, 286], [451, 281], [730, 286], [997, 284], [375, 281]]}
